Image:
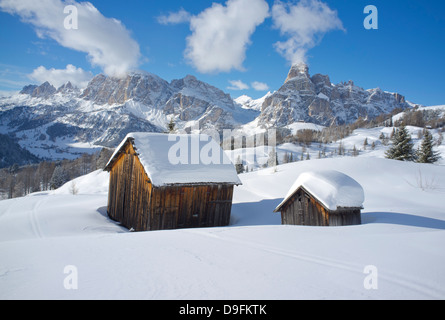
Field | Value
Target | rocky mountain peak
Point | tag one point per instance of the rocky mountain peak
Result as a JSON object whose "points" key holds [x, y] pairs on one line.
{"points": [[139, 86], [110, 107], [28, 89], [188, 80], [67, 85], [317, 100], [43, 91], [300, 69], [66, 88]]}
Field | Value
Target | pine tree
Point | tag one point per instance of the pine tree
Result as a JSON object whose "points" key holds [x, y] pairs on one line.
{"points": [[426, 154], [402, 146], [273, 158], [286, 157], [171, 126], [239, 165], [355, 152], [60, 176], [382, 136], [341, 149], [384, 139], [440, 139], [365, 143]]}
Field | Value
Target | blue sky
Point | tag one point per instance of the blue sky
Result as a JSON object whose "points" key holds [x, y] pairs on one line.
{"points": [[233, 45]]}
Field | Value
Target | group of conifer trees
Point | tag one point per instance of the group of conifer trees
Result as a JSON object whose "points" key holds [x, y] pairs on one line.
{"points": [[403, 147]]}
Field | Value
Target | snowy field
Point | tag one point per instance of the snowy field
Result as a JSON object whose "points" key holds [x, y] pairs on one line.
{"points": [[401, 239]]}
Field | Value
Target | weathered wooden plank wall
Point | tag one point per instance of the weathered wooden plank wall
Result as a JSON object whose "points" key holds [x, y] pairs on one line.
{"points": [[190, 207], [303, 209], [134, 202], [129, 191]]}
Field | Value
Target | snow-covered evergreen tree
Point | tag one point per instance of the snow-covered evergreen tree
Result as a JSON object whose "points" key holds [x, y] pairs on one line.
{"points": [[286, 158], [341, 149], [239, 165], [402, 146], [60, 177], [171, 126], [273, 158], [365, 143], [355, 151], [426, 153]]}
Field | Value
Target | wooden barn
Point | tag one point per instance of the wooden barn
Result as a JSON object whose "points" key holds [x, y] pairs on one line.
{"points": [[323, 198], [165, 181]]}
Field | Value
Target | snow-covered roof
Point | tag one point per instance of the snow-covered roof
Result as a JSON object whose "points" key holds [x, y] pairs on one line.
{"points": [[332, 188], [181, 159]]}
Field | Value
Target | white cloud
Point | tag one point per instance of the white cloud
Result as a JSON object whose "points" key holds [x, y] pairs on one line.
{"points": [[107, 42], [304, 23], [237, 85], [57, 77], [221, 34], [175, 17], [4, 93], [260, 86]]}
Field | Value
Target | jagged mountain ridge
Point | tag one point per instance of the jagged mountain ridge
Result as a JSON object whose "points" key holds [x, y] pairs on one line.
{"points": [[316, 100], [58, 123], [47, 121]]}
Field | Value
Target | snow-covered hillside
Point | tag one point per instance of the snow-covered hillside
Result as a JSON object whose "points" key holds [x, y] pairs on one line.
{"points": [[256, 157], [401, 237], [63, 123]]}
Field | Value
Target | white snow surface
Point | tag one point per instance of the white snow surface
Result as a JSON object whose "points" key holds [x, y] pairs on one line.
{"points": [[254, 258], [332, 188], [166, 159], [321, 95]]}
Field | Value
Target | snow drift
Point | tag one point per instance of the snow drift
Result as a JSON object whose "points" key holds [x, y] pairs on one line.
{"points": [[402, 236]]}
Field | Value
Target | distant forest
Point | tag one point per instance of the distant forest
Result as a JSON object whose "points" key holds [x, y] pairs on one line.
{"points": [[18, 181]]}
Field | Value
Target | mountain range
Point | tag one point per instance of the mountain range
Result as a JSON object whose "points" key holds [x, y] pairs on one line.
{"points": [[56, 123], [316, 100]]}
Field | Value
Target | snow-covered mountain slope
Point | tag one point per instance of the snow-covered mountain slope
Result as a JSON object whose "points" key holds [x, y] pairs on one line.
{"points": [[315, 99], [256, 157], [429, 113], [252, 104], [255, 257], [50, 122]]}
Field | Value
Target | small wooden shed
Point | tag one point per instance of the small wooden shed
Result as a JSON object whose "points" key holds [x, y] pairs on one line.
{"points": [[166, 181], [323, 198]]}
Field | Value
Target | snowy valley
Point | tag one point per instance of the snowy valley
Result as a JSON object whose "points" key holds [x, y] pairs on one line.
{"points": [[47, 235], [225, 158], [402, 234]]}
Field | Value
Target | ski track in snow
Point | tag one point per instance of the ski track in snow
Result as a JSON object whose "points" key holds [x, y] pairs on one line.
{"points": [[34, 219], [397, 279], [254, 259]]}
